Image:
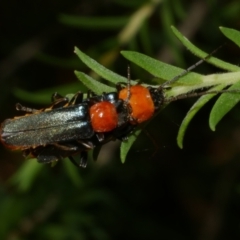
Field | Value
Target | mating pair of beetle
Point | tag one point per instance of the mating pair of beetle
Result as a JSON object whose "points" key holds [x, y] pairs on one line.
{"points": [[71, 126], [77, 125]]}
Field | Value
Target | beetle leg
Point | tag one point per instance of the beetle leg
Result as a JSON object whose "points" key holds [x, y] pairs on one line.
{"points": [[56, 96], [46, 154], [89, 145], [83, 159], [73, 161], [58, 100], [26, 153], [68, 148], [122, 133], [77, 98], [100, 137], [73, 148], [119, 86], [20, 107], [90, 94], [59, 103], [45, 157]]}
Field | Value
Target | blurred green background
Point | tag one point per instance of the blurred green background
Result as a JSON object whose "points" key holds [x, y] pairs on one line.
{"points": [[163, 193]]}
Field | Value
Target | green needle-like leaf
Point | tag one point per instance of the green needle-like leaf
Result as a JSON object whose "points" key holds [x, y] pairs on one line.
{"points": [[223, 105], [232, 34], [192, 112], [160, 69], [125, 146], [26, 175], [99, 69], [92, 84], [93, 22], [187, 83], [198, 52]]}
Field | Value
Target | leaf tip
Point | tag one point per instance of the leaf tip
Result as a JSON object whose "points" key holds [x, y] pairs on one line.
{"points": [[212, 127], [123, 53], [123, 159], [75, 49], [221, 28], [180, 141], [180, 145], [123, 153]]}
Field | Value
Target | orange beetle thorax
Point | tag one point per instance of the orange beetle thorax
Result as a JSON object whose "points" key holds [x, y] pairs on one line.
{"points": [[104, 117], [141, 102]]}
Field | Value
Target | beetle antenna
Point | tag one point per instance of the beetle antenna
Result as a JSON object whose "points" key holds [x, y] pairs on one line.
{"points": [[190, 68], [128, 82], [197, 94]]}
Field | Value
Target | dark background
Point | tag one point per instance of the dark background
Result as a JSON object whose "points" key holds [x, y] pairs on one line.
{"points": [[163, 193]]}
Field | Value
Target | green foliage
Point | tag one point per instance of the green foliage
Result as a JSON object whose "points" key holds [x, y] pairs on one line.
{"points": [[232, 34], [99, 69], [26, 175], [93, 23], [201, 54], [223, 105], [187, 83], [147, 197]]}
